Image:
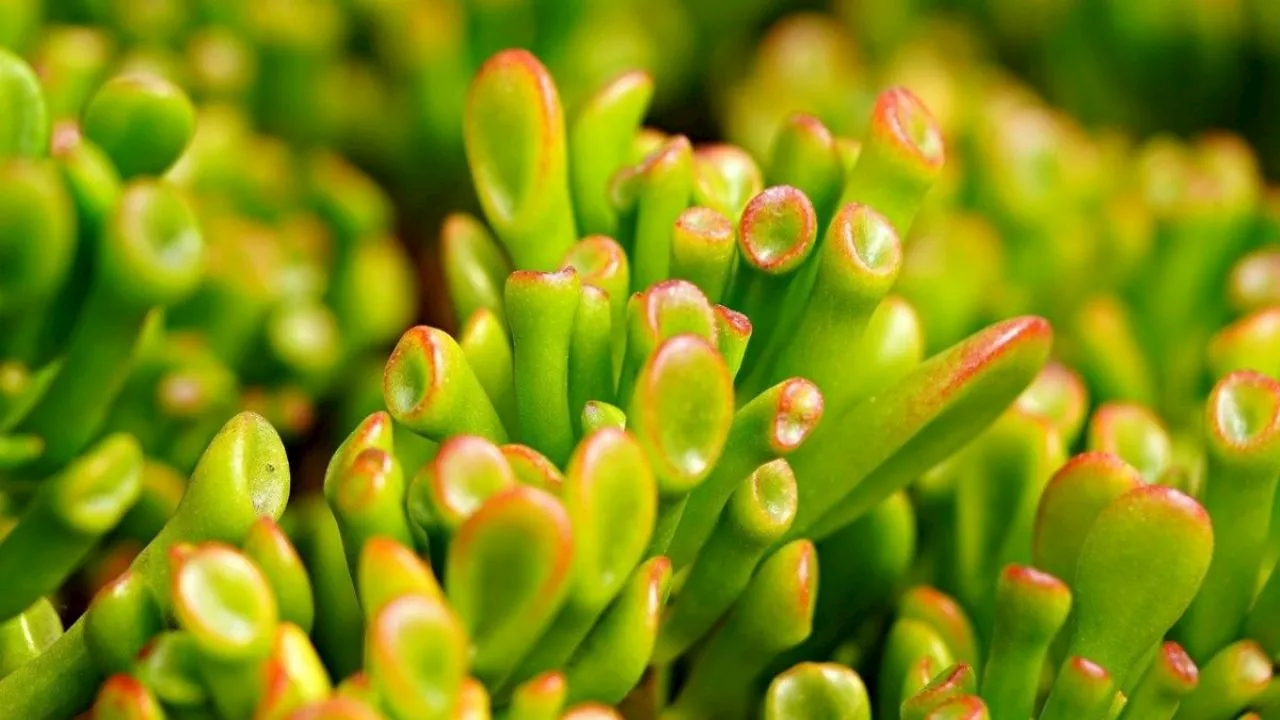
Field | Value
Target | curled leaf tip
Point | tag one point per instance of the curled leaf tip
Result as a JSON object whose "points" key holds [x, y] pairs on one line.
{"points": [[1180, 665], [902, 121], [1244, 411], [867, 240], [682, 409], [777, 230], [799, 409]]}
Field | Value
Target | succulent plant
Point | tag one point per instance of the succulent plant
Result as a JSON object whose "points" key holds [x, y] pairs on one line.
{"points": [[713, 438], [1138, 251], [261, 269]]}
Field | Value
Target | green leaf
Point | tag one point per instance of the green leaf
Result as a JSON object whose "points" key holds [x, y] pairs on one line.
{"points": [[515, 139]]}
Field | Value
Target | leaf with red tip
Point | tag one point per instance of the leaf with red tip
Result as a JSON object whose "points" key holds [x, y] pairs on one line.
{"points": [[703, 250], [611, 497], [725, 178], [1070, 504], [1229, 683], [956, 681], [660, 188], [923, 418], [122, 618], [733, 333], [474, 266], [1140, 566], [515, 139], [416, 657], [941, 612], [389, 570], [597, 416], [225, 602], [122, 697], [466, 471], [1135, 434], [601, 262], [902, 156], [270, 549], [600, 138], [1059, 395], [509, 569], [804, 155], [657, 313], [369, 499], [1082, 690], [811, 690], [773, 614], [532, 468], [541, 698], [777, 230], [430, 388], [375, 431], [1250, 343], [776, 234], [1171, 676], [614, 656], [1030, 609], [681, 411], [294, 675], [1242, 428], [908, 642]]}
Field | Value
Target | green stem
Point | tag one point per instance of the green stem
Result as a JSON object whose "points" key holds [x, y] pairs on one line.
{"points": [[58, 683], [1083, 690], [1170, 677], [25, 636], [759, 512], [66, 519], [858, 264], [771, 425], [612, 658], [94, 367], [1031, 608], [541, 308], [590, 353], [773, 614], [1243, 422]]}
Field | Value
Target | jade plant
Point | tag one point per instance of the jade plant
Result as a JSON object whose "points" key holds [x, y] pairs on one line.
{"points": [[1139, 252], [272, 311], [690, 453]]}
